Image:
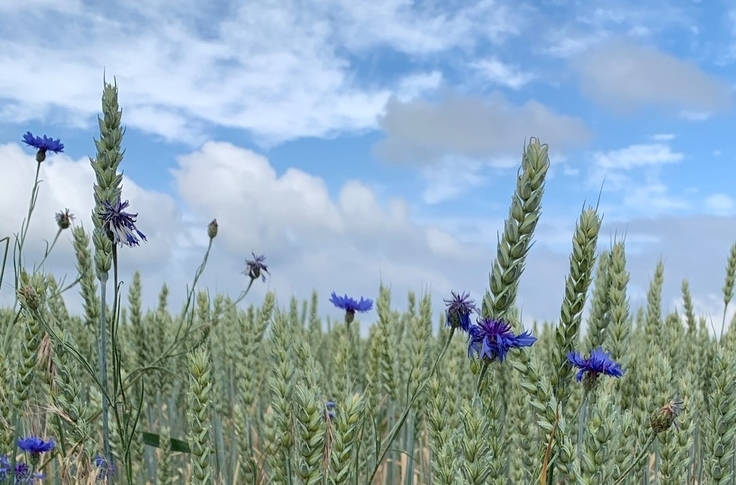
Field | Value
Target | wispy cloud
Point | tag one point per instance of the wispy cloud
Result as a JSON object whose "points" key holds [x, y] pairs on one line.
{"points": [[496, 72]]}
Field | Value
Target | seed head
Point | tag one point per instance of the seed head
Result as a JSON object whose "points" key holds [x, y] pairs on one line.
{"points": [[666, 416], [29, 297], [64, 219]]}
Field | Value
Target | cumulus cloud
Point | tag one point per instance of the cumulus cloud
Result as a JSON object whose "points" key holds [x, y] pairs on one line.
{"points": [[623, 76], [348, 242]]}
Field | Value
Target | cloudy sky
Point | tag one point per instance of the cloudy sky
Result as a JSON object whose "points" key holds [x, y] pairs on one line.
{"points": [[355, 142]]}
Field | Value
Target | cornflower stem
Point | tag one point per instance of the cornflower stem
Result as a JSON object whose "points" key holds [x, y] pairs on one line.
{"points": [[169, 351], [102, 360], [21, 239], [16, 435], [348, 357], [190, 294], [582, 416], [397, 427], [638, 458], [31, 206], [6, 240], [48, 250], [483, 370]]}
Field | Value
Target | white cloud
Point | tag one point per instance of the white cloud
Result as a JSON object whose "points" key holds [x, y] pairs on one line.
{"points": [[710, 307], [720, 204], [635, 173], [279, 72], [638, 155], [502, 74], [452, 177], [415, 85], [348, 243], [423, 28]]}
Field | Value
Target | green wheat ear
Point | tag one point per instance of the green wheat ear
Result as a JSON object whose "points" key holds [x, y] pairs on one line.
{"points": [[516, 240], [200, 423]]}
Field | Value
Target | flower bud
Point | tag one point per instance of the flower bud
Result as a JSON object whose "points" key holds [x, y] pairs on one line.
{"points": [[212, 229]]}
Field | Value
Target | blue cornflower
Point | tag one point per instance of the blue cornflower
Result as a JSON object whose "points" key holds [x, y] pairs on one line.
{"points": [[35, 445], [350, 305], [329, 410], [256, 267], [22, 474], [492, 339], [120, 225], [4, 467], [43, 145], [599, 362], [106, 469], [458, 311]]}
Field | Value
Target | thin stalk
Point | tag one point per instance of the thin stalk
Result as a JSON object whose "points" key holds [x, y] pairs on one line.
{"points": [[638, 458], [397, 427], [48, 250], [102, 360]]}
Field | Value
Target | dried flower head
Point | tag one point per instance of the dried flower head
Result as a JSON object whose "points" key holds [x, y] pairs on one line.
{"points": [[212, 229], [491, 339], [351, 305], [64, 219], [43, 145], [120, 225], [256, 267], [458, 311], [666, 416], [29, 297]]}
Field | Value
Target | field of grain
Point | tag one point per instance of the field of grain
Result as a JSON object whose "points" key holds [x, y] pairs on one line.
{"points": [[236, 391]]}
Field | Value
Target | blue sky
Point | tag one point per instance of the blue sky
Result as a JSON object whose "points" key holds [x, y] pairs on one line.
{"points": [[352, 142]]}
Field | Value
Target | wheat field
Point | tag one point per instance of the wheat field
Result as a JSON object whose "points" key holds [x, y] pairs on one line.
{"points": [[237, 391]]}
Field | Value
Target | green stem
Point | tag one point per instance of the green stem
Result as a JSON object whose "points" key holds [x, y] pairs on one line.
{"points": [[481, 375], [102, 360], [638, 459], [582, 415], [397, 427], [48, 250], [21, 239]]}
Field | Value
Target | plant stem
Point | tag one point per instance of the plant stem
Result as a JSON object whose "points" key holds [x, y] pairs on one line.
{"points": [[638, 459], [397, 427]]}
